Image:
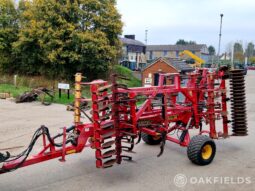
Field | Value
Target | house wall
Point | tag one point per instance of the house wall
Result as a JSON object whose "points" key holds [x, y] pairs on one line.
{"points": [[158, 54], [168, 54], [205, 57], [159, 67], [133, 53]]}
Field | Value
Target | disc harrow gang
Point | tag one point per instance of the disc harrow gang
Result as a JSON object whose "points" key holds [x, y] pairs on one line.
{"points": [[121, 116]]}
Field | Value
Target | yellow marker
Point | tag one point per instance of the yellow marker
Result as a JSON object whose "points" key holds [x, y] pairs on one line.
{"points": [[70, 152], [172, 117]]}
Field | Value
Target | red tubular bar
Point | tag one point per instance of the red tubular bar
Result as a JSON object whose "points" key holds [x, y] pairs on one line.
{"points": [[210, 100], [39, 158], [224, 109], [63, 159], [53, 153], [133, 111]]}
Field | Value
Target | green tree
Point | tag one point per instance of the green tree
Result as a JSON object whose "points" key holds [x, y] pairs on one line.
{"points": [[238, 52], [8, 34], [238, 47], [183, 42], [59, 38], [252, 60], [249, 50], [211, 50], [239, 56]]}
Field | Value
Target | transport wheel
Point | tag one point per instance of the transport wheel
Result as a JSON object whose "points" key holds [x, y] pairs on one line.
{"points": [[151, 140], [201, 150]]}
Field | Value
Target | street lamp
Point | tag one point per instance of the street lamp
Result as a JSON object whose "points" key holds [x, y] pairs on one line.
{"points": [[221, 17]]}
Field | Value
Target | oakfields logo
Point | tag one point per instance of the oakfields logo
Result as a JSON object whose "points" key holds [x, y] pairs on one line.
{"points": [[180, 180]]}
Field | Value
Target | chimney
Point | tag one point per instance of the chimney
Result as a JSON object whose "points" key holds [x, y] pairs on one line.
{"points": [[130, 37]]}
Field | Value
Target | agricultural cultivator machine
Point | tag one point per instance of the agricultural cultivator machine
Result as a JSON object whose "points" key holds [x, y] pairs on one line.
{"points": [[121, 117]]}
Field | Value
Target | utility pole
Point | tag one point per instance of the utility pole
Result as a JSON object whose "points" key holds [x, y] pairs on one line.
{"points": [[146, 36], [232, 56], [221, 17]]}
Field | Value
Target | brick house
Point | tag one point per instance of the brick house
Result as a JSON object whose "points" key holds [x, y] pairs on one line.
{"points": [[150, 74]]}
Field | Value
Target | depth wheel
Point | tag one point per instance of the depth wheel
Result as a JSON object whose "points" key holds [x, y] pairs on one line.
{"points": [[151, 140], [201, 150]]}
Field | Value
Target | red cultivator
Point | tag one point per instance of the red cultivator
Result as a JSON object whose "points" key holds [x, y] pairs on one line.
{"points": [[122, 116]]}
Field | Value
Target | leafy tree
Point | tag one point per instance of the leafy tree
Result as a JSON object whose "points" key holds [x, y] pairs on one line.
{"points": [[249, 50], [183, 42], [211, 50], [8, 34], [59, 38], [192, 42], [238, 47], [238, 52], [239, 56], [252, 60]]}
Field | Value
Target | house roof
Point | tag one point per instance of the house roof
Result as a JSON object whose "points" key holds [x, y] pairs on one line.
{"points": [[179, 65], [191, 47], [128, 41]]}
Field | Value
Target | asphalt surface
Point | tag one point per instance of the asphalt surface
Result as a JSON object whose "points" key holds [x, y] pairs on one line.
{"points": [[232, 169]]}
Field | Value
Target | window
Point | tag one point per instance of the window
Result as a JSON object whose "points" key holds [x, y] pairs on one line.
{"points": [[165, 53], [177, 54], [151, 55]]}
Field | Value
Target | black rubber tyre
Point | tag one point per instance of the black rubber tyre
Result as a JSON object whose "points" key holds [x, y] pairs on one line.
{"points": [[201, 150], [150, 140]]}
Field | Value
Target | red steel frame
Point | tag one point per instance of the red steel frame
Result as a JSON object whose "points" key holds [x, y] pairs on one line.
{"points": [[147, 118]]}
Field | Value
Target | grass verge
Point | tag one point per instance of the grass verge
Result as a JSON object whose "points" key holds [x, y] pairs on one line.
{"points": [[16, 91]]}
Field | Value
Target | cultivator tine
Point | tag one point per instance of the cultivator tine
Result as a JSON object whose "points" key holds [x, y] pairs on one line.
{"points": [[127, 125], [131, 142], [128, 133], [104, 88], [108, 154], [126, 138], [126, 158], [121, 94], [104, 109], [122, 86], [103, 118], [126, 148], [118, 76], [103, 99], [125, 101], [139, 137], [127, 142], [162, 144], [109, 163], [108, 144], [107, 125], [108, 135]]}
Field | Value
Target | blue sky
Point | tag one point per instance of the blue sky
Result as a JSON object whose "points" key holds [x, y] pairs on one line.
{"points": [[198, 20]]}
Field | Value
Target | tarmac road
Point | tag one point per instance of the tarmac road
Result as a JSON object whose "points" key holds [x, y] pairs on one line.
{"points": [[232, 169]]}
